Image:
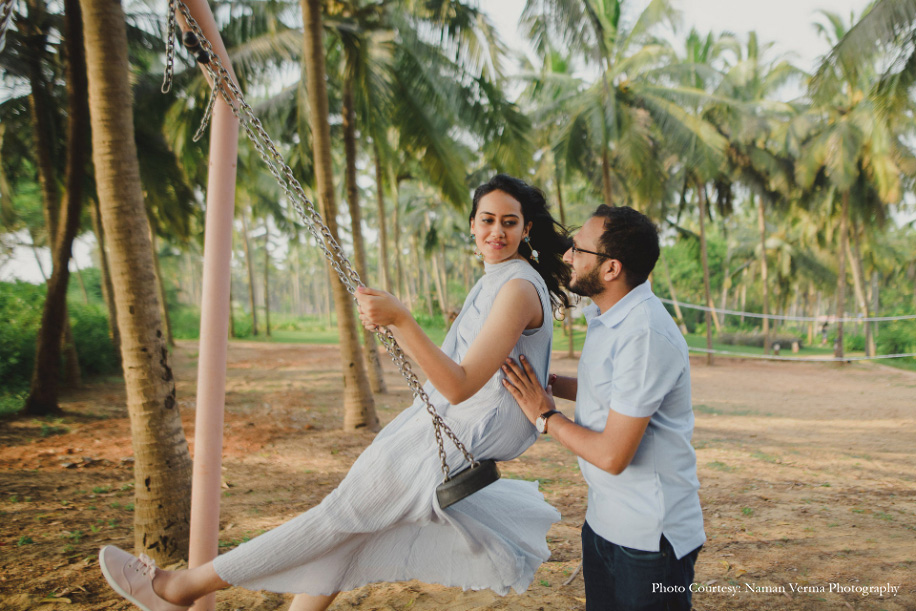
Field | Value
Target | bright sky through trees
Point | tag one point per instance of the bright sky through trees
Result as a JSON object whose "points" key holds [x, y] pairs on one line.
{"points": [[787, 23]]}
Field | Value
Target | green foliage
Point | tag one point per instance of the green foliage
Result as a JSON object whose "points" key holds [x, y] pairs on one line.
{"points": [[186, 322], [11, 402], [898, 337], [853, 342], [92, 280], [21, 306], [20, 309], [89, 324], [687, 274]]}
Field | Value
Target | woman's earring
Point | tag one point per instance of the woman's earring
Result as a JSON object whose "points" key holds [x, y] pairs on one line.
{"points": [[534, 253], [477, 253]]}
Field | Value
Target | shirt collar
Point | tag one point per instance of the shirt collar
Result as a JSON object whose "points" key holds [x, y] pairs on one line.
{"points": [[622, 308]]}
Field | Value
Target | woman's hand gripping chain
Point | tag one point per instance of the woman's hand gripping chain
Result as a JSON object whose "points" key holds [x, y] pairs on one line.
{"points": [[378, 308]]}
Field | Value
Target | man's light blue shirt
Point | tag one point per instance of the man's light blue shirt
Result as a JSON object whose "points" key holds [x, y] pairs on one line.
{"points": [[635, 362]]}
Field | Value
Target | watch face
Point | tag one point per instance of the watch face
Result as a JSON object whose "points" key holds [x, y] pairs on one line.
{"points": [[540, 424]]}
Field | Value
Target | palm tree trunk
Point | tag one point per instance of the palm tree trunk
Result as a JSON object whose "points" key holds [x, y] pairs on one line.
{"points": [[107, 289], [677, 307], [42, 399], [607, 189], [423, 277], [266, 279], [329, 295], [875, 307], [567, 312], [811, 311], [249, 263], [162, 464], [743, 297], [370, 346], [41, 267], [761, 225], [7, 215], [913, 292], [359, 406], [703, 258], [443, 272], [42, 125], [73, 377], [841, 275], [231, 313], [854, 253], [298, 306], [79, 276], [396, 236], [437, 277], [726, 282], [40, 103], [160, 289], [384, 275]]}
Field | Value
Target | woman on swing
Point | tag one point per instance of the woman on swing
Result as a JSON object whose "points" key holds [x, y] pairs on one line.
{"points": [[383, 522]]}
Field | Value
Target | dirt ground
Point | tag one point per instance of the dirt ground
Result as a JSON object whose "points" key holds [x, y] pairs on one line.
{"points": [[807, 471]]}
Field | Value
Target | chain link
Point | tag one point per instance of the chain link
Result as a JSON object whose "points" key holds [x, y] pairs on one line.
{"points": [[267, 150], [208, 112], [169, 49]]}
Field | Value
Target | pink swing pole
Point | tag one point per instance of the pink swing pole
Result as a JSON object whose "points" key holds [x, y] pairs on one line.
{"points": [[214, 315]]}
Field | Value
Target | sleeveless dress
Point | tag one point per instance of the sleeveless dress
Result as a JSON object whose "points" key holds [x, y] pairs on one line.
{"points": [[383, 522]]}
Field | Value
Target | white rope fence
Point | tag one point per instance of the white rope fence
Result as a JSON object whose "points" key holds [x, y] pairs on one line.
{"points": [[823, 318], [809, 359], [820, 319]]}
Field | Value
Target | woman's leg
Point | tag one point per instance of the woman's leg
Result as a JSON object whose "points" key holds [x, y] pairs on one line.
{"points": [[307, 602], [186, 586]]}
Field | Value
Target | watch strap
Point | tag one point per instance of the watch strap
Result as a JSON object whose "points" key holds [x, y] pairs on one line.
{"points": [[546, 415]]}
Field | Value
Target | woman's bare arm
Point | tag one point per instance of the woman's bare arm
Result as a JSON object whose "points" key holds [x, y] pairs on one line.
{"points": [[516, 308]]}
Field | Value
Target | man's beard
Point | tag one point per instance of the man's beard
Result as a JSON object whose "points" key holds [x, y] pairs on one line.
{"points": [[588, 285]]}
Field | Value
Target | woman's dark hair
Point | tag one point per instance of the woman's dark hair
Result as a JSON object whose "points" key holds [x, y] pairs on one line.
{"points": [[547, 236], [631, 238]]}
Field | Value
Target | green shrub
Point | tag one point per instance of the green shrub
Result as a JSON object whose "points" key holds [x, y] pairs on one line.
{"points": [[242, 326], [21, 306], [185, 322], [898, 337], [97, 354], [853, 342]]}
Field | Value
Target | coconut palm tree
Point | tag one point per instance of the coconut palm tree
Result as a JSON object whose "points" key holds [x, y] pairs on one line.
{"points": [[42, 397], [359, 406], [751, 79], [884, 30], [618, 122], [853, 152], [162, 466]]}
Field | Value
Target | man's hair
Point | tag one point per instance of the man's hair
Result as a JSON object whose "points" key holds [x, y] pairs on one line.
{"points": [[631, 238]]}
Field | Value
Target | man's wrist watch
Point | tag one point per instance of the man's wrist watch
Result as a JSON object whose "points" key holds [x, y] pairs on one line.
{"points": [[541, 422]]}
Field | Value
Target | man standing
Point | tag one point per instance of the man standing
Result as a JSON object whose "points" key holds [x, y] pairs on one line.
{"points": [[643, 528]]}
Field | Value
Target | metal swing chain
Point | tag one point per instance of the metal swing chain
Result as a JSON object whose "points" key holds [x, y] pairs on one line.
{"points": [[6, 19], [169, 49], [267, 150]]}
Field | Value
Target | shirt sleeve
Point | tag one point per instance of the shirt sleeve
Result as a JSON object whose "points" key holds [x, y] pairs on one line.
{"points": [[646, 368]]}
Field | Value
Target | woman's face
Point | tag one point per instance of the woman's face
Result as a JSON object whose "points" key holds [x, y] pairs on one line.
{"points": [[498, 227]]}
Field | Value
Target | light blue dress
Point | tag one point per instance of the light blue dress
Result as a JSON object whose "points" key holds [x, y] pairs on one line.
{"points": [[383, 522]]}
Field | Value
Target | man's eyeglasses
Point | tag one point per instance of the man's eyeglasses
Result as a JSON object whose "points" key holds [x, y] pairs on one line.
{"points": [[576, 249]]}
